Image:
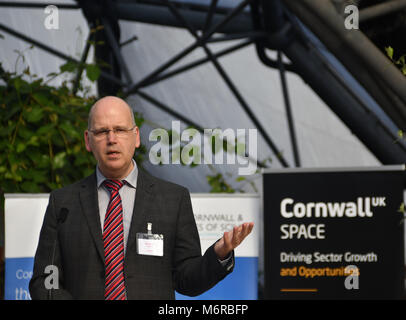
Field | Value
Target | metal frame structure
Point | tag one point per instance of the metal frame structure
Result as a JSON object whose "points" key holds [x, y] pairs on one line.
{"points": [[267, 24]]}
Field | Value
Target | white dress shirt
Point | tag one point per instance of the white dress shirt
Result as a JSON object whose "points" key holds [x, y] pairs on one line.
{"points": [[127, 194]]}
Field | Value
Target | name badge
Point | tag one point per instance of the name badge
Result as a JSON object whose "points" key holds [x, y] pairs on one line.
{"points": [[150, 244]]}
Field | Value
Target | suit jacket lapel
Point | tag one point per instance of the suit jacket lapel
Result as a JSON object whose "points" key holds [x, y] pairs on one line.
{"points": [[143, 197], [90, 206]]}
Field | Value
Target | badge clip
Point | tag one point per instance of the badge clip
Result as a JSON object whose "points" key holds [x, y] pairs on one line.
{"points": [[150, 244]]}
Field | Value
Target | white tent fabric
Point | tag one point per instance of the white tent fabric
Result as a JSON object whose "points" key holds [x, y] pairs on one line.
{"points": [[69, 38], [200, 94]]}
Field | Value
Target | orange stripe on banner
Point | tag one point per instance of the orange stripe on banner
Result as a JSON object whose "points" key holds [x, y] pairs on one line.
{"points": [[299, 290]]}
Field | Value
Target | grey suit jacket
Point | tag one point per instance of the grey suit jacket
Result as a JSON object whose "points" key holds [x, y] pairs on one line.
{"points": [[74, 245]]}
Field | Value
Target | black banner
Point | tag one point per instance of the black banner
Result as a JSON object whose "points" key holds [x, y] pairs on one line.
{"points": [[334, 234]]}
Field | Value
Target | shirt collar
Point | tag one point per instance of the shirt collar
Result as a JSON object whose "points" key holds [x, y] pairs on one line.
{"points": [[131, 179]]}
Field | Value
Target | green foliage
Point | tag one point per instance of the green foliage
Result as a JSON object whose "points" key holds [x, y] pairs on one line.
{"points": [[41, 136], [402, 211], [191, 155], [400, 63], [218, 184]]}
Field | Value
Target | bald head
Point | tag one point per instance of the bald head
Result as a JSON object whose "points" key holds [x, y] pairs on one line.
{"points": [[109, 102], [112, 136]]}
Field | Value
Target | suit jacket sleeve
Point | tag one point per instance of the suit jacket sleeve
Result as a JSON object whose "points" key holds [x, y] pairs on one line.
{"points": [[48, 253], [194, 273]]}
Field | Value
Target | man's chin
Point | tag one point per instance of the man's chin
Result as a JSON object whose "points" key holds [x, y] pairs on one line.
{"points": [[115, 169]]}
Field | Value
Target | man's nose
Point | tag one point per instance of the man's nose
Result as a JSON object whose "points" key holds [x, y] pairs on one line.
{"points": [[111, 137]]}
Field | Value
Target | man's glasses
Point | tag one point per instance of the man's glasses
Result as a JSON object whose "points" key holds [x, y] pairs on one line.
{"points": [[118, 132]]}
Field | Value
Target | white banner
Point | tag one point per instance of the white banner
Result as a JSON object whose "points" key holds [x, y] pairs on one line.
{"points": [[217, 213], [24, 214], [214, 214]]}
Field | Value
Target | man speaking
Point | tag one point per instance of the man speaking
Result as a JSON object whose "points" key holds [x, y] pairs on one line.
{"points": [[121, 233]]}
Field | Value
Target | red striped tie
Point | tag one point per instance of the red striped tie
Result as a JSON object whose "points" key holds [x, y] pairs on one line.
{"points": [[113, 239]]}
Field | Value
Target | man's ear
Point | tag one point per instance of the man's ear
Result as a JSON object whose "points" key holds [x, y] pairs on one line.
{"points": [[137, 137], [87, 142]]}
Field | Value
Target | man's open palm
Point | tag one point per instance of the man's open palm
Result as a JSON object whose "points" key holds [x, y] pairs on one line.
{"points": [[232, 239]]}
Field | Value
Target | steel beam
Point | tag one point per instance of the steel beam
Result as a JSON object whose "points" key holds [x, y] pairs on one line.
{"points": [[37, 5], [369, 66], [345, 102], [54, 52], [189, 49], [116, 49], [230, 85], [181, 117], [82, 63], [159, 15], [209, 17], [381, 9], [288, 109], [198, 63]]}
